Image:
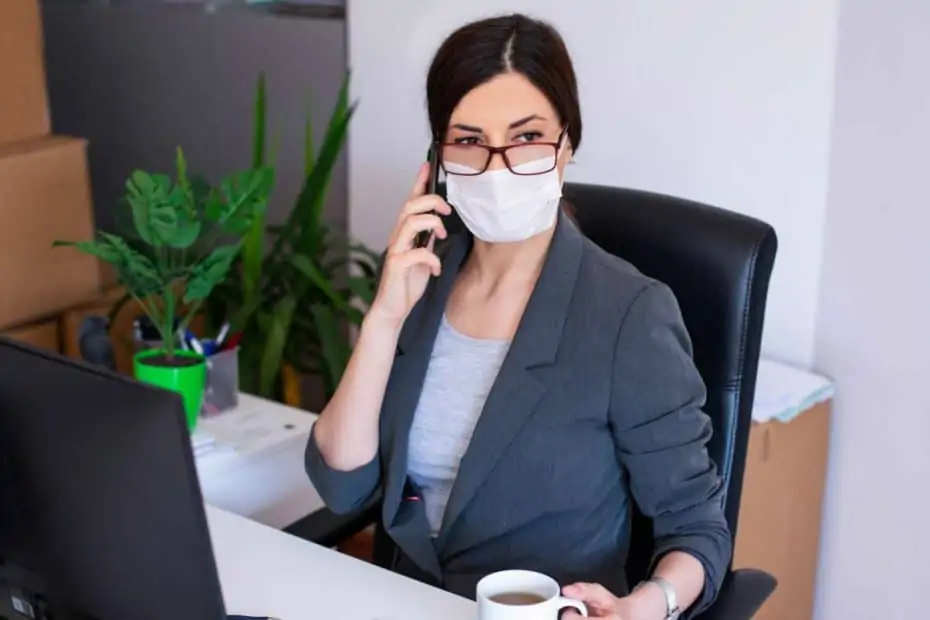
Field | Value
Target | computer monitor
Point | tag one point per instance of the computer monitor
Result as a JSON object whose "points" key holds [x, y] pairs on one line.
{"points": [[101, 501]]}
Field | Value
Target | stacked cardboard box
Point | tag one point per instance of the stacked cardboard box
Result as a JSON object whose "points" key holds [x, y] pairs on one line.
{"points": [[44, 191], [24, 105], [781, 508]]}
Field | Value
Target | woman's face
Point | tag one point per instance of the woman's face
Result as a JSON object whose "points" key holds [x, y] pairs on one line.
{"points": [[506, 110]]}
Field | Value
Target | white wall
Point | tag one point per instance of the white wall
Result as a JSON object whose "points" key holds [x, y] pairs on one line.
{"points": [[724, 101], [872, 328]]}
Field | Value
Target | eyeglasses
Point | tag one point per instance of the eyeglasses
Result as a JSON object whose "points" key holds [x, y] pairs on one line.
{"points": [[527, 159]]}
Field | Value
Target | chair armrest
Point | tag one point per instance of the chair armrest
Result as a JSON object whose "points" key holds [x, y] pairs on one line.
{"points": [[743, 593], [328, 529]]}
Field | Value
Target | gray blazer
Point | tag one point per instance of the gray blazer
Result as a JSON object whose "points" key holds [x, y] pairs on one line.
{"points": [[597, 405]]}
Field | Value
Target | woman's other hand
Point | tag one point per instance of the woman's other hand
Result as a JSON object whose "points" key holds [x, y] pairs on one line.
{"points": [[644, 604], [407, 269]]}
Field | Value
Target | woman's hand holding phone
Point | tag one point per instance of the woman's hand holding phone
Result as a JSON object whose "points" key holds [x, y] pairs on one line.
{"points": [[407, 268]]}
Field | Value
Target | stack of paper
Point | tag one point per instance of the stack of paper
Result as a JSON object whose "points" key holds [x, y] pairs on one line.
{"points": [[202, 441], [254, 426], [783, 392]]}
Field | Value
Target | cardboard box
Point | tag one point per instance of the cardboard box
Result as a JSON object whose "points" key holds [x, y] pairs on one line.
{"points": [[108, 276], [780, 510], [42, 335], [24, 103], [44, 196]]}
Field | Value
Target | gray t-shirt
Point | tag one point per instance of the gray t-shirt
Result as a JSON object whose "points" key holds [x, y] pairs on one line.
{"points": [[460, 375]]}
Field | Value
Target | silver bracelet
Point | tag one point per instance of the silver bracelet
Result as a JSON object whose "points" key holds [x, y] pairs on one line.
{"points": [[671, 598]]}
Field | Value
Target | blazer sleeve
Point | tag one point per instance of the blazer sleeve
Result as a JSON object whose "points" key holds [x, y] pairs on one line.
{"points": [[661, 436], [342, 491]]}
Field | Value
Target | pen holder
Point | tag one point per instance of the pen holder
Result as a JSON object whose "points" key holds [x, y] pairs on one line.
{"points": [[222, 390]]}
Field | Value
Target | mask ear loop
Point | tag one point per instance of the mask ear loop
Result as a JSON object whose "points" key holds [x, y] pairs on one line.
{"points": [[564, 141]]}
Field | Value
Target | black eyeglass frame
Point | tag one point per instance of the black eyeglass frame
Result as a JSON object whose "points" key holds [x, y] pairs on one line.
{"points": [[502, 151]]}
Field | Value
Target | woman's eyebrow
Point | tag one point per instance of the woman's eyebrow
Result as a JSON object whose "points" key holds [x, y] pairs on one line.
{"points": [[524, 121], [469, 128], [513, 125]]}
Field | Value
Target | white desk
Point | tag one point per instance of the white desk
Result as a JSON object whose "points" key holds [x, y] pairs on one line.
{"points": [[266, 572], [256, 470]]}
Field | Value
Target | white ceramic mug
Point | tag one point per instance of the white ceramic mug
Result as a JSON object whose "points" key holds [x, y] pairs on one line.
{"points": [[522, 582]]}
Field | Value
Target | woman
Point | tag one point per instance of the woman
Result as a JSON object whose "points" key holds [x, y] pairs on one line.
{"points": [[514, 388]]}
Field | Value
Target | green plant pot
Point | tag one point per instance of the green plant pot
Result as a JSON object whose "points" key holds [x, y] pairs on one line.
{"points": [[187, 376]]}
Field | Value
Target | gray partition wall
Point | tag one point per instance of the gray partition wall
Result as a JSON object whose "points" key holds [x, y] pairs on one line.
{"points": [[137, 80]]}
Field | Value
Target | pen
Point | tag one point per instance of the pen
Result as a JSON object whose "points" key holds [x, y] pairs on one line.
{"points": [[233, 341], [209, 347], [222, 335], [194, 343]]}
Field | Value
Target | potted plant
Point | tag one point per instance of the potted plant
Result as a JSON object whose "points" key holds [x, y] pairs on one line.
{"points": [[186, 238], [296, 287]]}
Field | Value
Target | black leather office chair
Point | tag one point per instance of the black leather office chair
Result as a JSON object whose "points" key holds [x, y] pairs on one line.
{"points": [[718, 264]]}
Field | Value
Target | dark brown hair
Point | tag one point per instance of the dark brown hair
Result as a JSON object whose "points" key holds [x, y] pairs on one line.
{"points": [[482, 50]]}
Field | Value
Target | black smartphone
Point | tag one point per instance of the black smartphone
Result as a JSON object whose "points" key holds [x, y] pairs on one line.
{"points": [[432, 156]]}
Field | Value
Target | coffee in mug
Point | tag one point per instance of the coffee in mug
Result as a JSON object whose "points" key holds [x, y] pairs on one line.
{"points": [[517, 598], [522, 595]]}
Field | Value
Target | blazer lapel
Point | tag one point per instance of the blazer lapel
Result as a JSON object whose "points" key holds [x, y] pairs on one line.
{"points": [[517, 391], [401, 397]]}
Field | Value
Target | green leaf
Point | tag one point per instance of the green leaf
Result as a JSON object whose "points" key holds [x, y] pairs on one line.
{"points": [[352, 314], [306, 266], [259, 122], [264, 319], [275, 340], [243, 196], [209, 272], [136, 271], [342, 111], [187, 229], [309, 151], [184, 187], [317, 182], [163, 214], [245, 312], [333, 142], [214, 208], [99, 249], [153, 213], [334, 347], [363, 288], [254, 244], [200, 190], [305, 220], [274, 150]]}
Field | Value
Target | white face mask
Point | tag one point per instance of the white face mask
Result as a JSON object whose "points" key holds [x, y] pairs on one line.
{"points": [[499, 206]]}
